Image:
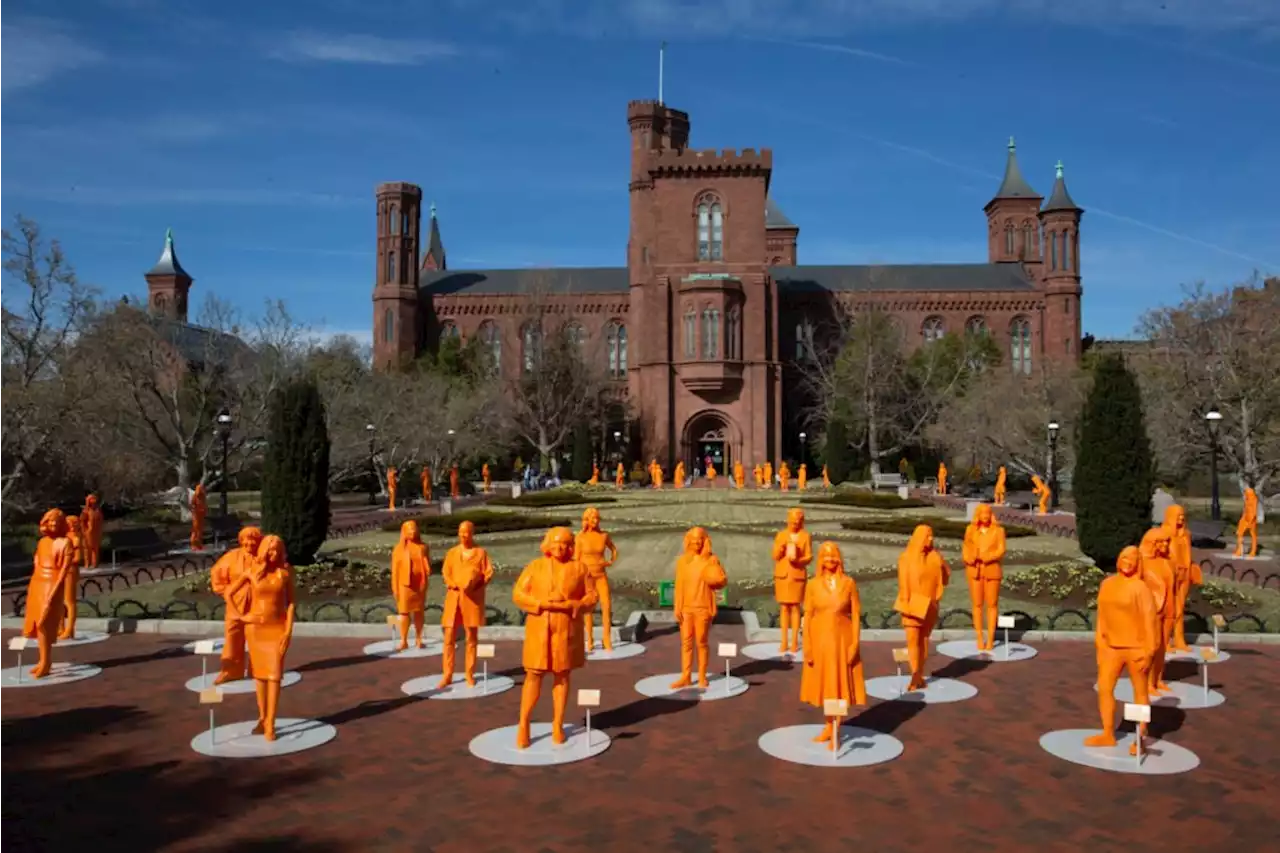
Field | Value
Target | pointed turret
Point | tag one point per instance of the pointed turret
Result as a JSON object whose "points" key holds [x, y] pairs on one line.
{"points": [[1014, 185], [433, 258], [168, 284], [1012, 232], [1059, 199], [1060, 223]]}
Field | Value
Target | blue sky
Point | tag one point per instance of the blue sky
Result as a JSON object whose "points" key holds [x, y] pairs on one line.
{"points": [[257, 131]]}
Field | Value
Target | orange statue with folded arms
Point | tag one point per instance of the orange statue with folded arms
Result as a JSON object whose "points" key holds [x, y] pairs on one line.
{"points": [[999, 496], [699, 576], [826, 478], [455, 488], [46, 599], [553, 590], [739, 475], [942, 478], [236, 564], [410, 568], [1042, 491], [1186, 572], [268, 625], [590, 546], [1157, 573], [199, 509], [91, 527], [595, 475], [71, 585], [487, 478], [1248, 524], [677, 476], [922, 578], [802, 477], [792, 552], [424, 480], [1125, 639], [983, 552], [768, 475], [784, 477], [620, 476], [467, 572], [832, 630], [392, 482]]}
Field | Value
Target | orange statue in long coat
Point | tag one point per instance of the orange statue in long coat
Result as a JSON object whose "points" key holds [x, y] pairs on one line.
{"points": [[91, 528], [455, 489], [487, 478], [268, 625], [784, 477], [802, 477], [392, 481], [699, 576], [553, 590], [792, 552], [231, 567], [590, 547], [767, 475], [832, 630], [467, 572], [620, 476], [677, 476], [71, 585], [739, 475], [1186, 572], [983, 553], [922, 578], [1126, 638], [1157, 573], [199, 509], [1248, 524], [46, 600], [410, 568], [711, 474]]}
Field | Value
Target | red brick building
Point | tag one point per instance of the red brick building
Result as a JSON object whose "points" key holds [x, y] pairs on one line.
{"points": [[702, 325]]}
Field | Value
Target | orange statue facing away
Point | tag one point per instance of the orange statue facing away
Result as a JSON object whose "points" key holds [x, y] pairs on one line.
{"points": [[71, 585], [467, 572], [832, 630], [999, 496], [1186, 572], [1042, 491], [199, 509], [983, 553], [227, 573], [677, 476], [487, 478], [792, 553], [268, 626], [455, 490], [392, 481], [784, 477], [590, 546], [410, 569], [699, 576], [942, 478], [45, 597], [91, 526], [1248, 524], [802, 477], [922, 578], [1157, 573], [553, 590], [425, 483], [620, 476], [1125, 639]]}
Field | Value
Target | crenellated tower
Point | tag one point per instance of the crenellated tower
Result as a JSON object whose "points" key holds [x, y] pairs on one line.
{"points": [[396, 324], [168, 285], [1013, 234], [1060, 222]]}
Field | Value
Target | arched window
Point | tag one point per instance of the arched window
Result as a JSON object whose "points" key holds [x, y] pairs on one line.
{"points": [[616, 338], [933, 329], [1008, 240], [575, 334], [710, 229], [391, 267], [690, 333], [710, 333], [1020, 345], [448, 329], [391, 220], [404, 222], [1053, 250], [492, 343], [976, 326], [804, 340], [1062, 250], [733, 345], [1028, 241], [388, 325], [531, 345]]}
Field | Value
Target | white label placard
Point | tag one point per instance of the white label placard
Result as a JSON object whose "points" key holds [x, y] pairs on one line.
{"points": [[1219, 621], [1207, 653], [204, 647], [835, 707], [728, 650], [484, 650], [901, 656], [588, 698], [17, 644], [393, 619], [1006, 621], [1137, 713], [210, 696]]}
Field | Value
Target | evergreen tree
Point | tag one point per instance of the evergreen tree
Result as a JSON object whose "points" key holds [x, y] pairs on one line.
{"points": [[581, 454], [295, 471], [835, 452], [1114, 472]]}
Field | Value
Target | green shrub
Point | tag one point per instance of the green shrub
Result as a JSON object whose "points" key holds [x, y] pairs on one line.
{"points": [[869, 500], [835, 451], [943, 528], [295, 471], [552, 497], [580, 465], [485, 521]]}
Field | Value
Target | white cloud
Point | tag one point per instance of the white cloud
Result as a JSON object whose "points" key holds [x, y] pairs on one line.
{"points": [[37, 49], [312, 46]]}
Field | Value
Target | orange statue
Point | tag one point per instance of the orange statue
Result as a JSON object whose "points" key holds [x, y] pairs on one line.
{"points": [[711, 474], [677, 476], [768, 475], [758, 473], [589, 546], [832, 630], [425, 482], [1157, 573], [199, 508], [802, 477], [487, 478], [999, 496], [942, 478], [1248, 524], [392, 481], [467, 572], [657, 476], [1125, 639], [45, 597], [455, 490], [1186, 572], [983, 552], [231, 567], [653, 472], [1041, 490], [553, 590], [91, 525], [410, 569], [739, 475], [791, 555], [784, 477], [268, 625], [699, 576], [826, 478], [922, 578], [71, 584], [595, 475], [620, 476]]}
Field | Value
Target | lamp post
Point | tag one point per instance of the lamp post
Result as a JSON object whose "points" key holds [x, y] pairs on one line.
{"points": [[617, 442], [803, 449], [370, 430], [1213, 417], [223, 425], [1054, 426]]}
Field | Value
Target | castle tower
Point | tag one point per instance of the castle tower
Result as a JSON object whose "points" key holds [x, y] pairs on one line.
{"points": [[168, 284], [396, 325], [433, 258], [1012, 227], [1060, 221]]}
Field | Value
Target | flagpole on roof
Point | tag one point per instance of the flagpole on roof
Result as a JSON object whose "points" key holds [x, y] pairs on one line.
{"points": [[662, 55]]}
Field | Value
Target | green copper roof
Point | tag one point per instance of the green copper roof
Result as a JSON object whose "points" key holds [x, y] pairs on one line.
{"points": [[1014, 185], [1060, 199]]}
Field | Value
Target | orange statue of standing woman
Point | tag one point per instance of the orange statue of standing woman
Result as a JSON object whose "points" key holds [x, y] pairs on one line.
{"points": [[802, 477], [553, 590], [91, 526], [487, 478], [767, 475], [226, 574], [942, 478], [595, 475], [268, 626], [1186, 572], [922, 578], [455, 486], [71, 585], [1248, 524], [392, 482], [999, 496], [590, 546], [699, 576], [784, 477], [620, 476], [758, 473], [792, 553], [1125, 639], [983, 553], [410, 568], [425, 482], [826, 478], [199, 508], [832, 630], [1157, 573], [711, 474], [739, 475], [677, 476], [45, 598], [467, 572]]}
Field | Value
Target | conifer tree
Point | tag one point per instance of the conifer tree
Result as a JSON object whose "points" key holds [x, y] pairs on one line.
{"points": [[835, 453], [295, 475], [581, 453]]}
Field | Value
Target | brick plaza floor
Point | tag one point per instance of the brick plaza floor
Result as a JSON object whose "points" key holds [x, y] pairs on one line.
{"points": [[105, 764]]}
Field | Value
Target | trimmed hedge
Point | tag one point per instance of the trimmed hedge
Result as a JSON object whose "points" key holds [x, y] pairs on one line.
{"points": [[943, 528], [869, 500], [554, 497], [485, 521]]}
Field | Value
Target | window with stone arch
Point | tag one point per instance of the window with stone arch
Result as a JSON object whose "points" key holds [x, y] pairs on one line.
{"points": [[933, 329], [404, 222], [1028, 240], [804, 340], [976, 326], [710, 333], [530, 346], [1063, 254], [1020, 345], [690, 333], [449, 329], [616, 340], [1053, 250], [710, 228], [391, 267], [388, 325], [1008, 239], [391, 220], [733, 334], [575, 334], [491, 342]]}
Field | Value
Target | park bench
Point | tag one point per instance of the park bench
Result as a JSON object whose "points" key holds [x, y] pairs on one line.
{"points": [[1205, 533], [1021, 500], [887, 481], [224, 528], [134, 543]]}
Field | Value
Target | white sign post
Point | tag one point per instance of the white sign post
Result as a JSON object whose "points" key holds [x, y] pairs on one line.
{"points": [[1005, 623], [838, 708], [1206, 655], [1218, 622], [393, 621], [728, 651], [484, 651], [211, 696], [588, 699], [1141, 715], [204, 648], [900, 657], [17, 644]]}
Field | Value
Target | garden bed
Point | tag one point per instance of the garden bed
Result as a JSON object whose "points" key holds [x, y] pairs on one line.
{"points": [[943, 528], [485, 521], [868, 500], [554, 497]]}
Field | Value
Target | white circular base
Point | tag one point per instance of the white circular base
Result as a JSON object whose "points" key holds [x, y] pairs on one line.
{"points": [[769, 651], [83, 638], [659, 687], [618, 652], [59, 673], [499, 746], [858, 747], [1194, 656], [218, 643], [936, 690], [1182, 695], [425, 687], [387, 649], [968, 649], [1230, 555], [236, 741], [243, 685], [1159, 757]]}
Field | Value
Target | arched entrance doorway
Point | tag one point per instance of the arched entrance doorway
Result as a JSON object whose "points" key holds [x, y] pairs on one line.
{"points": [[710, 433]]}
